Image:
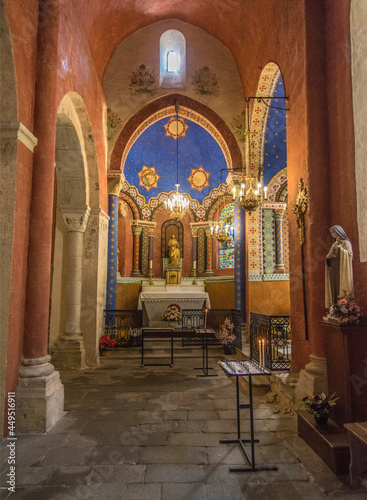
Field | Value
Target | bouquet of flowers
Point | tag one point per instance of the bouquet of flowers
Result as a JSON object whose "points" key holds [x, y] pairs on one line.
{"points": [[345, 312], [172, 314], [226, 335], [106, 343], [319, 403]]}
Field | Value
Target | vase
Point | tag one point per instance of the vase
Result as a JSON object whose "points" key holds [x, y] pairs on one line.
{"points": [[321, 418], [106, 353], [229, 349]]}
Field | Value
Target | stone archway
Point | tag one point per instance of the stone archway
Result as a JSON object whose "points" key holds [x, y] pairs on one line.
{"points": [[80, 242]]}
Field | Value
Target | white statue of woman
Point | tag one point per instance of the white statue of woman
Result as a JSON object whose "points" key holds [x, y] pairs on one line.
{"points": [[338, 268]]}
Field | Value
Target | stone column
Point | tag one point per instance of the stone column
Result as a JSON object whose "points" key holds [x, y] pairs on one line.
{"points": [[69, 351], [112, 248], [209, 251], [40, 394], [136, 237], [279, 256]]}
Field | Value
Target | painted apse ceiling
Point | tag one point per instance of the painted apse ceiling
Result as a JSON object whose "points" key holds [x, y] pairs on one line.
{"points": [[150, 159]]}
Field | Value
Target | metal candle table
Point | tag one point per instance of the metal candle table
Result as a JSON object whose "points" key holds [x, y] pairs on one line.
{"points": [[237, 368], [205, 333], [169, 334]]}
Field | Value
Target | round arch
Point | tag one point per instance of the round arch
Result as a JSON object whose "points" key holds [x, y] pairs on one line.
{"points": [[77, 197], [167, 102]]}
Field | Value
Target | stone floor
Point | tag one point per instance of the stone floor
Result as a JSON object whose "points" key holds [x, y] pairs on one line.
{"points": [[153, 433]]}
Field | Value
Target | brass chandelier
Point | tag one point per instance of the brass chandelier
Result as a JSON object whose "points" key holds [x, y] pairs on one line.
{"points": [[222, 232], [177, 204], [247, 196]]}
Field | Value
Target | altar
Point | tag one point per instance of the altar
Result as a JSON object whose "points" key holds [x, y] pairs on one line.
{"points": [[154, 304]]}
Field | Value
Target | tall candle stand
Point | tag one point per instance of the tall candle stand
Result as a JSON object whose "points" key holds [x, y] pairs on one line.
{"points": [[151, 277], [194, 282]]}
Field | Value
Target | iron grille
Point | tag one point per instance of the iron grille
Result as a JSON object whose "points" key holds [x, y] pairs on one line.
{"points": [[195, 318], [124, 326], [276, 333]]}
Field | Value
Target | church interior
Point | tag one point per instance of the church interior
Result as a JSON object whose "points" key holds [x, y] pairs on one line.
{"points": [[187, 154]]}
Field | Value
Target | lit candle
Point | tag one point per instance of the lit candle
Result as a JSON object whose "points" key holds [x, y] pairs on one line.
{"points": [[265, 193], [260, 352], [263, 347], [206, 314]]}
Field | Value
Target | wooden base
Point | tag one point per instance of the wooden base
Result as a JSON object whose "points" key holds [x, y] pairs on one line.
{"points": [[329, 441]]}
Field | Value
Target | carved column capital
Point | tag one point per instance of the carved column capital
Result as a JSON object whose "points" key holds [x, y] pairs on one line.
{"points": [[278, 214], [136, 230], [76, 220]]}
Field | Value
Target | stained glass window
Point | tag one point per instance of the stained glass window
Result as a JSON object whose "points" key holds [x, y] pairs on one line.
{"points": [[226, 249]]}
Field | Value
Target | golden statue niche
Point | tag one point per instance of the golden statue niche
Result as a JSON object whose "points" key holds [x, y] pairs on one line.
{"points": [[173, 272]]}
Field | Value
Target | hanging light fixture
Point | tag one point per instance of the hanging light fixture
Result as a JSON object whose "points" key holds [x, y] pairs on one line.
{"points": [[247, 197], [177, 204], [222, 232]]}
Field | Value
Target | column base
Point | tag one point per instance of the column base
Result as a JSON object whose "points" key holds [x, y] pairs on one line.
{"points": [[69, 353], [39, 396], [136, 273], [312, 379], [209, 272], [279, 270]]}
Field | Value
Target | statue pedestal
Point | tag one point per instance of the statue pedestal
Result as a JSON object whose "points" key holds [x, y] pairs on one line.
{"points": [[346, 347], [173, 274]]}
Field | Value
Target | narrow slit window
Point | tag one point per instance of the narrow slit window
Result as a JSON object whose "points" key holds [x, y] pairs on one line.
{"points": [[172, 57], [172, 61]]}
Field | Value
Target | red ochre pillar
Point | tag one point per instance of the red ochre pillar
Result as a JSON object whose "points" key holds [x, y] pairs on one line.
{"points": [[40, 394]]}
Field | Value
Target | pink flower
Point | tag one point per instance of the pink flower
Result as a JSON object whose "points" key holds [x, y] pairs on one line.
{"points": [[343, 301]]}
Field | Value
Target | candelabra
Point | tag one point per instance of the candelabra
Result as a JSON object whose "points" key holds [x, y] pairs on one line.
{"points": [[151, 277], [194, 282]]}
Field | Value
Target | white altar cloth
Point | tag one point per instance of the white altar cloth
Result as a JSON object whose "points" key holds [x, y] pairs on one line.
{"points": [[154, 304]]}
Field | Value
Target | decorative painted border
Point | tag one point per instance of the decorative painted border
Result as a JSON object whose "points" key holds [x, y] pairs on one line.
{"points": [[267, 83], [194, 116], [203, 279], [269, 277]]}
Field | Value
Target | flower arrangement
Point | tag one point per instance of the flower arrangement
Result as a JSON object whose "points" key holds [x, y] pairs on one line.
{"points": [[172, 314], [319, 404], [106, 343], [345, 312], [226, 335]]}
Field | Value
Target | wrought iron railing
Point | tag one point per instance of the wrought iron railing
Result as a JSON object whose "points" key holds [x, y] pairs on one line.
{"points": [[124, 326], [274, 333], [195, 318]]}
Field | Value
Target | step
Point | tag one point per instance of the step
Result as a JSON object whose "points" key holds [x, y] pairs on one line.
{"points": [[329, 441]]}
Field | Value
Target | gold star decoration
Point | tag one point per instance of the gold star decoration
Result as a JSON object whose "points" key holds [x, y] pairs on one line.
{"points": [[199, 178], [148, 178], [176, 127]]}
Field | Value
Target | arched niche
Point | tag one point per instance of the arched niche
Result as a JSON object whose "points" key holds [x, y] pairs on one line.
{"points": [[172, 56], [171, 227], [125, 239]]}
